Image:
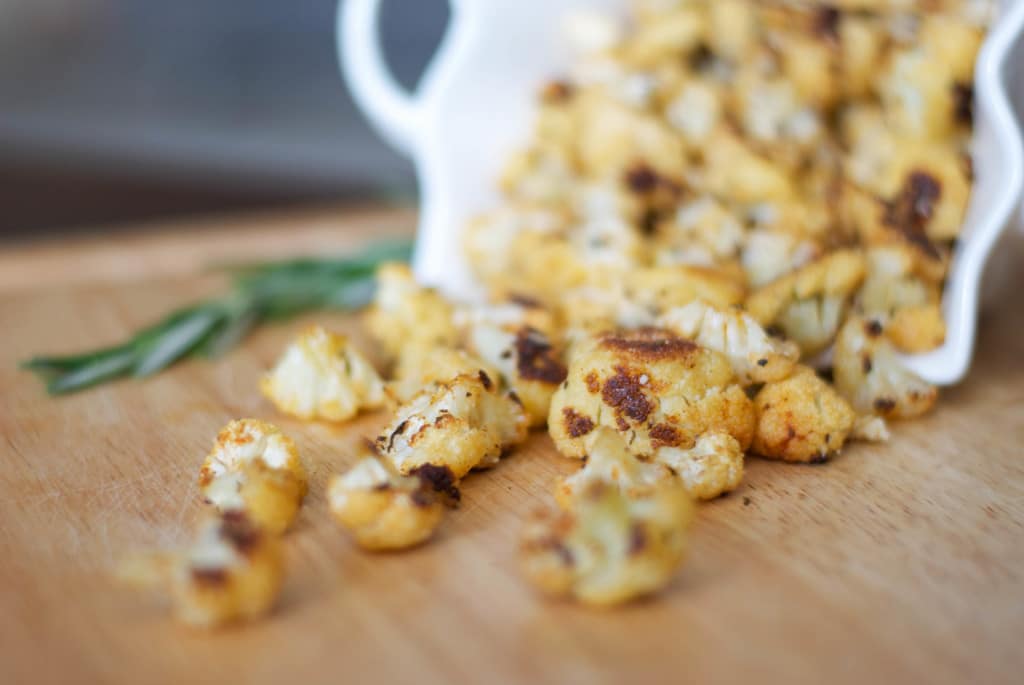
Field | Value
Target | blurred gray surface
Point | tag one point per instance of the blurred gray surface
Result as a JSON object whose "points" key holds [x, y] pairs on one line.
{"points": [[233, 94]]}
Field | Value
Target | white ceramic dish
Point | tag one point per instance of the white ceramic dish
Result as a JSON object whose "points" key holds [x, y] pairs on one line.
{"points": [[475, 104]]}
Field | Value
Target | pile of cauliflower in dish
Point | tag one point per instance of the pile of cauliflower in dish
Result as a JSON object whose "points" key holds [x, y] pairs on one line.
{"points": [[731, 220]]}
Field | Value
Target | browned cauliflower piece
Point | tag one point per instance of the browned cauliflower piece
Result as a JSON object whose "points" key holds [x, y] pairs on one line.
{"points": [[405, 314], [869, 373], [529, 363], [801, 419], [232, 572], [901, 297], [756, 357], [869, 428], [808, 304], [321, 375], [609, 548], [928, 187], [382, 509], [423, 367], [709, 469], [658, 390], [255, 468], [609, 461], [461, 424]]}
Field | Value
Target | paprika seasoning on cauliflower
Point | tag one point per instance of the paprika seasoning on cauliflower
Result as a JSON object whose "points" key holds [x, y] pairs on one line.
{"points": [[460, 424], [801, 418], [255, 468], [656, 389], [608, 548], [322, 376], [232, 572], [382, 509]]}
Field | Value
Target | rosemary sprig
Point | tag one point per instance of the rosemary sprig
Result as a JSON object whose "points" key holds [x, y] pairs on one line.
{"points": [[267, 291]]}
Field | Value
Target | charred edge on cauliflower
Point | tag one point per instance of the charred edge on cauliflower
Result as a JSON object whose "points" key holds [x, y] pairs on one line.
{"points": [[624, 392], [485, 379], [576, 424], [536, 360], [664, 435], [825, 23], [649, 344], [912, 209], [963, 103], [440, 478], [557, 92], [209, 577], [238, 529]]}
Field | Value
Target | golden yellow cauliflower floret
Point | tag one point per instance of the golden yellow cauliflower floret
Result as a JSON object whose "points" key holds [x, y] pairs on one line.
{"points": [[801, 419], [906, 303], [404, 314], [461, 424], [321, 375], [768, 254], [808, 304], [609, 548], [422, 367], [927, 186], [529, 363], [658, 390], [736, 172], [869, 373], [755, 356], [382, 509], [255, 468], [232, 572], [609, 461]]}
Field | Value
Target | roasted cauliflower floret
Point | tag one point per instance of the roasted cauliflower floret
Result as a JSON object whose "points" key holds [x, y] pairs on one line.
{"points": [[755, 356], [808, 304], [869, 428], [609, 548], [869, 373], [768, 254], [321, 375], [658, 390], [609, 461], [801, 419], [528, 362], [423, 367], [897, 294], [461, 424], [255, 468], [382, 509], [232, 572], [709, 469], [405, 314]]}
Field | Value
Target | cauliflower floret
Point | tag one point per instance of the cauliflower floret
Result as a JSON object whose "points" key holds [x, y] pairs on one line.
{"points": [[528, 362], [712, 467], [755, 356], [928, 187], [609, 548], [255, 468], [869, 428], [702, 233], [383, 509], [801, 419], [660, 288], [232, 572], [420, 368], [768, 254], [404, 314], [609, 461], [808, 304], [736, 172], [321, 375], [868, 372], [461, 424], [658, 390], [905, 302]]}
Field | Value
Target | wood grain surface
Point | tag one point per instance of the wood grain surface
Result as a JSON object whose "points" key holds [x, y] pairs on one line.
{"points": [[896, 563]]}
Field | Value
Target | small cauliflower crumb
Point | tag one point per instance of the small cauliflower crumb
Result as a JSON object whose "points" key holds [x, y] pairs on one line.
{"points": [[755, 356], [869, 429], [322, 376], [801, 419], [255, 468], [232, 572], [382, 509], [609, 548], [461, 424]]}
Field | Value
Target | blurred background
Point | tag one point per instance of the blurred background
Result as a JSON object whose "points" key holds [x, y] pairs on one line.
{"points": [[115, 111]]}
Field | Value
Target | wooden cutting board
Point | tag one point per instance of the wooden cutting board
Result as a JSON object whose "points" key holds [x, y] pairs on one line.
{"points": [[896, 563]]}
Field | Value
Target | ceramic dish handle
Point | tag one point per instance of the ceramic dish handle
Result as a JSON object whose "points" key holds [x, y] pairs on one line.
{"points": [[392, 110]]}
